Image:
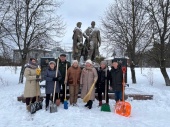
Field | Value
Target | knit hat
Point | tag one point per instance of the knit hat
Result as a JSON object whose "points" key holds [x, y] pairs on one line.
{"points": [[103, 62], [63, 54], [74, 61], [114, 60], [89, 61], [52, 62]]}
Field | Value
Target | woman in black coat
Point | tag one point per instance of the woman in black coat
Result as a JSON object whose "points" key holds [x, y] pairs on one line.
{"points": [[116, 79], [50, 78], [101, 82]]}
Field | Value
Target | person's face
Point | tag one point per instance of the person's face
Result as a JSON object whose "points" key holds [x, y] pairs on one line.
{"points": [[79, 25], [75, 64], [62, 58], [33, 61], [103, 66], [88, 64], [52, 66], [115, 64], [93, 24]]}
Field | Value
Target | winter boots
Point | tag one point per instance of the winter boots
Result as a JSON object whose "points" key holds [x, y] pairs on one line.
{"points": [[89, 104], [86, 105]]}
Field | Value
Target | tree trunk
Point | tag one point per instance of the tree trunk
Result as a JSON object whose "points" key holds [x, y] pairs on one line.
{"points": [[21, 74], [22, 68], [165, 75], [132, 68]]}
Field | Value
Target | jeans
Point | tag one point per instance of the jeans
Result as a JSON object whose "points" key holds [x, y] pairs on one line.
{"points": [[118, 96]]}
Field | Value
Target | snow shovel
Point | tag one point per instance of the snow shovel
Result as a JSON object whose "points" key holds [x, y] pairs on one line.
{"points": [[88, 95], [37, 105], [105, 107], [123, 108], [65, 100], [53, 106]]}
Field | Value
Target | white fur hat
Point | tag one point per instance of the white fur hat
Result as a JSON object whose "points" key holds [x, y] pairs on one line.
{"points": [[89, 61], [52, 62], [74, 61]]}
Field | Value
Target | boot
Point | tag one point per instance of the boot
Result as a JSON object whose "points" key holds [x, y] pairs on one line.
{"points": [[87, 104], [100, 103], [46, 109], [90, 104]]}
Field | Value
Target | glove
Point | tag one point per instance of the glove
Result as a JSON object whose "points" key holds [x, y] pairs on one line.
{"points": [[55, 79], [65, 82], [37, 76]]}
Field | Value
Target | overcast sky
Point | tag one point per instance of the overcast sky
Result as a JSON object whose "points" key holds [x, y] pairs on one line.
{"points": [[84, 11]]}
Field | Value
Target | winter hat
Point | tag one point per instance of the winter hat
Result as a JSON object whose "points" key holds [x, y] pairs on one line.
{"points": [[103, 62], [74, 61], [32, 65], [52, 62], [114, 60], [63, 54], [89, 61]]}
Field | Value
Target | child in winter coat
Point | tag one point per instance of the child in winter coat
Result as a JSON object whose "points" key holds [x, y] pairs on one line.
{"points": [[100, 85], [50, 78], [116, 79], [73, 77]]}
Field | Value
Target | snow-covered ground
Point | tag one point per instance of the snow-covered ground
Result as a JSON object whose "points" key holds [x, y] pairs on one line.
{"points": [[149, 113]]}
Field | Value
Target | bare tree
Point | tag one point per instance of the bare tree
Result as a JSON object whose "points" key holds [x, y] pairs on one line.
{"points": [[125, 26], [159, 12], [32, 23], [5, 48]]}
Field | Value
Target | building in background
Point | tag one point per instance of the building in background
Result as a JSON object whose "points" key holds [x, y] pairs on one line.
{"points": [[38, 53]]}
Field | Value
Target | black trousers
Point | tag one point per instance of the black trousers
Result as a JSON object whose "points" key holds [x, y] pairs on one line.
{"points": [[100, 96], [29, 99], [63, 93], [48, 98]]}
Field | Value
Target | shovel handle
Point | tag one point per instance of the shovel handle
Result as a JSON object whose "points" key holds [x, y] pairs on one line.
{"points": [[123, 83], [65, 82], [55, 81]]}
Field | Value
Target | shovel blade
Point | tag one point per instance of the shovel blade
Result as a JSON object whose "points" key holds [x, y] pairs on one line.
{"points": [[53, 108], [105, 108], [65, 104], [123, 108]]}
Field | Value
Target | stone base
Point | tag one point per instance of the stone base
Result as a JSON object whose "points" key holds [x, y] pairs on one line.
{"points": [[111, 96]]}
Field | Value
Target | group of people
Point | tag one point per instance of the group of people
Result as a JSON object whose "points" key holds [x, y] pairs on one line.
{"points": [[76, 78]]}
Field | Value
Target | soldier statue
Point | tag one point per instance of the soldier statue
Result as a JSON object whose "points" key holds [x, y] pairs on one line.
{"points": [[77, 42], [92, 42]]}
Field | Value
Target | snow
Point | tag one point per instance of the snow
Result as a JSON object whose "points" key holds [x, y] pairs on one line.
{"points": [[148, 113]]}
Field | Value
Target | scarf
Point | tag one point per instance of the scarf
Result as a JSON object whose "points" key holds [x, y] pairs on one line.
{"points": [[32, 65]]}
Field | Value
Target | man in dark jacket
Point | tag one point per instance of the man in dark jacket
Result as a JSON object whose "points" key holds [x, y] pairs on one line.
{"points": [[116, 80], [62, 69], [102, 76]]}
